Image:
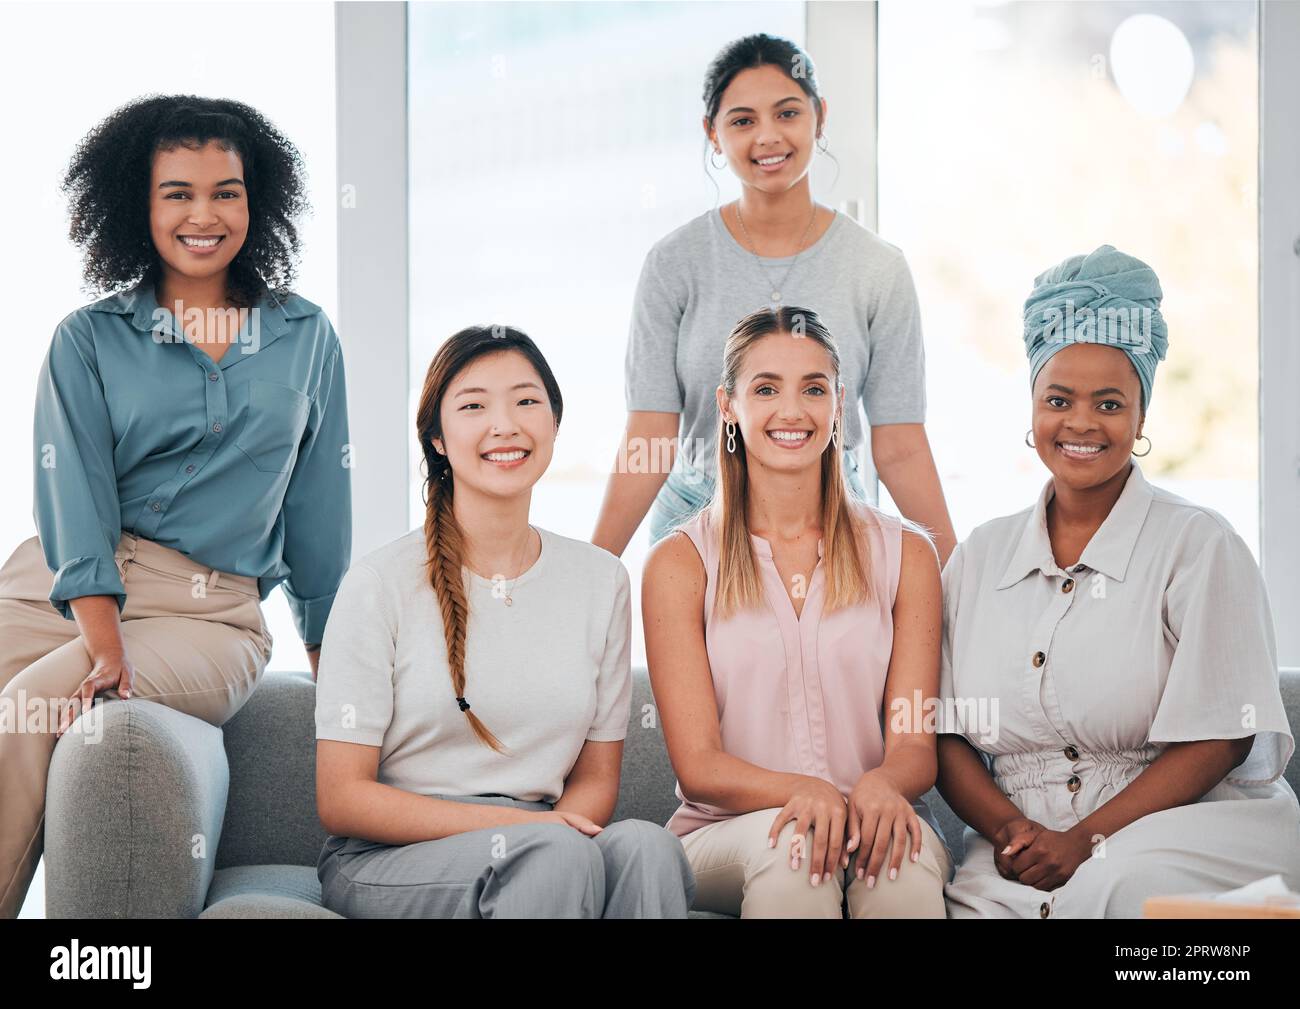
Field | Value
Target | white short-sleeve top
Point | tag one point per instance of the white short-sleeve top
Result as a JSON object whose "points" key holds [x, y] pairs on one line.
{"points": [[547, 673], [1160, 633]]}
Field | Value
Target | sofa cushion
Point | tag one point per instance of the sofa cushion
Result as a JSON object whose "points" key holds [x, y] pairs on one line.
{"points": [[271, 747], [266, 891], [133, 818], [645, 790]]}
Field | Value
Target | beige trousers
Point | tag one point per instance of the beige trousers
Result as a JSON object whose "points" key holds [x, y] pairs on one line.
{"points": [[737, 873], [194, 636]]}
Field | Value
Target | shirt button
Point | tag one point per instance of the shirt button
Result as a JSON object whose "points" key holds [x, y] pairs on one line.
{"points": [[1074, 784], [155, 506], [189, 468], [1039, 659], [1071, 753], [216, 428], [1067, 585], [213, 376], [1044, 910]]}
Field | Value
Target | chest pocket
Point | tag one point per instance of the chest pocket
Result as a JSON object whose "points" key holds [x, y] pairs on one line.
{"points": [[274, 422]]}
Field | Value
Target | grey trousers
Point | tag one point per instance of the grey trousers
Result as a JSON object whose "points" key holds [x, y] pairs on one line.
{"points": [[631, 869]]}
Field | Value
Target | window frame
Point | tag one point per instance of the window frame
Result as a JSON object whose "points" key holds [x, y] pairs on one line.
{"points": [[371, 74]]}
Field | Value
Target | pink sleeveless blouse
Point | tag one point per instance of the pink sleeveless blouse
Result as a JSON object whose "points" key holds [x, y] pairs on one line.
{"points": [[800, 694]]}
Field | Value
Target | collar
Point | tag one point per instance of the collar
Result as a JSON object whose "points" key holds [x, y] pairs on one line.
{"points": [[1111, 547], [764, 548], [140, 302]]}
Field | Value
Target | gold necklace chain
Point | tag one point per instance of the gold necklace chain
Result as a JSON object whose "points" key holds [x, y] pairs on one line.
{"points": [[776, 292], [509, 593]]}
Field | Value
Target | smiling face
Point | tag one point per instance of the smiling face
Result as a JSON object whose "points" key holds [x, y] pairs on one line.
{"points": [[767, 128], [497, 424], [785, 403], [1087, 414], [198, 210]]}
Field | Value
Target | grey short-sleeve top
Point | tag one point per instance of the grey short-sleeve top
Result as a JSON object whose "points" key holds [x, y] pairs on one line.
{"points": [[697, 282]]}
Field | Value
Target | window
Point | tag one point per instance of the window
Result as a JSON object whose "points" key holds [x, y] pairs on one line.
{"points": [[551, 144], [1014, 135]]}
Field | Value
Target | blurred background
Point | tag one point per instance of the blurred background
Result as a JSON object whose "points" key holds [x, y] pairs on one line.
{"points": [[1015, 135]]}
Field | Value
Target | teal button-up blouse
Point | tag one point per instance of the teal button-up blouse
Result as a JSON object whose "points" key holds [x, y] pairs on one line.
{"points": [[243, 465]]}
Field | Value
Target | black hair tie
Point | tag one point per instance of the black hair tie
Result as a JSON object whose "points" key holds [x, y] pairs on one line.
{"points": [[464, 704]]}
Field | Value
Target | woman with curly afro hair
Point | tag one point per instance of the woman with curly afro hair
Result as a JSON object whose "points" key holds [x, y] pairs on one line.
{"points": [[191, 446]]}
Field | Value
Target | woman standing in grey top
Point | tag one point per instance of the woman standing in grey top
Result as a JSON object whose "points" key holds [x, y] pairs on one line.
{"points": [[774, 246]]}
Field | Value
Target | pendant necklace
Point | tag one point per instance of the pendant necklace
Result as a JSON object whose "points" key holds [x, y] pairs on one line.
{"points": [[509, 592], [776, 291]]}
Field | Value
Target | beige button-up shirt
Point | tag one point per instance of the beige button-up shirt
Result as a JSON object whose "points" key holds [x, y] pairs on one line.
{"points": [[1072, 681]]}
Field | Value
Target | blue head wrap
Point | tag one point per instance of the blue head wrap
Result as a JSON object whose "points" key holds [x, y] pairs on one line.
{"points": [[1105, 297]]}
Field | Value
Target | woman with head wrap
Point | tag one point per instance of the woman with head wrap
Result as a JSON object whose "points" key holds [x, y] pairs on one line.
{"points": [[1112, 724]]}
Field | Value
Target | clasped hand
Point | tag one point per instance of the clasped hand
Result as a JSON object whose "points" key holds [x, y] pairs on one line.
{"points": [[1026, 851], [875, 822]]}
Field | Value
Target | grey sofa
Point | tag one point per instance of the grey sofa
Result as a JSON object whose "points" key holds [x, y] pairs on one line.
{"points": [[168, 816]]}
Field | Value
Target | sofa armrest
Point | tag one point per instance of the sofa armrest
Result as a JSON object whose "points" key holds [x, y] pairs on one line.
{"points": [[133, 815]]}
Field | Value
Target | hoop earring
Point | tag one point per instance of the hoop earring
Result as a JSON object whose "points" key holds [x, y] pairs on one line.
{"points": [[1027, 441], [836, 436], [1143, 455], [719, 167], [731, 437], [820, 143]]}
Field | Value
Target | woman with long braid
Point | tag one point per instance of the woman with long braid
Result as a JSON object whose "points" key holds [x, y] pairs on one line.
{"points": [[470, 719]]}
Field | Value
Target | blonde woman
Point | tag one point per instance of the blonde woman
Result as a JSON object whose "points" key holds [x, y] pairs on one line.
{"points": [[790, 629], [470, 724]]}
